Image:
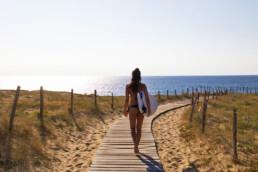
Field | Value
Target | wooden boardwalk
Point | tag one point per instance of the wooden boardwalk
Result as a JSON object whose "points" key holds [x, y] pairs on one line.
{"points": [[116, 152]]}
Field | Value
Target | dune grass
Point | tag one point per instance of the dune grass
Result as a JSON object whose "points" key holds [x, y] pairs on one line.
{"points": [[28, 141], [219, 124]]}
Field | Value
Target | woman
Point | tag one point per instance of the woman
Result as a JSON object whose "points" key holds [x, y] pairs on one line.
{"points": [[135, 117]]}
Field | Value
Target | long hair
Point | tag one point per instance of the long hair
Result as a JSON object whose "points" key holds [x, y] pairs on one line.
{"points": [[136, 79]]}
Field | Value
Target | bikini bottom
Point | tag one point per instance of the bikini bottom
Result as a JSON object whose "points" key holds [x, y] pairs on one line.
{"points": [[134, 106]]}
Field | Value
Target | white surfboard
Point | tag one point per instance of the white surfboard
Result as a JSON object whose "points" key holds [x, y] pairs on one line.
{"points": [[142, 103]]}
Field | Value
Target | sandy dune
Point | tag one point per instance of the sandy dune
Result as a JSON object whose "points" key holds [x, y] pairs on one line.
{"points": [[177, 155], [75, 150]]}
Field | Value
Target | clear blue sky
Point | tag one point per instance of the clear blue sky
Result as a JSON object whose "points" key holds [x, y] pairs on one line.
{"points": [[112, 37]]}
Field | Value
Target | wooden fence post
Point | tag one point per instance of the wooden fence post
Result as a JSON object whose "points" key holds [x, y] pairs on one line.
{"points": [[191, 115], [183, 92], [167, 95], [71, 108], [198, 98], [175, 92], [187, 91], [192, 90], [235, 134], [95, 97], [192, 98], [112, 105], [159, 94], [14, 108], [41, 105], [196, 90], [204, 115]]}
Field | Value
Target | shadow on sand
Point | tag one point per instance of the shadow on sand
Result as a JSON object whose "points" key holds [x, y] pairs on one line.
{"points": [[190, 170], [152, 164]]}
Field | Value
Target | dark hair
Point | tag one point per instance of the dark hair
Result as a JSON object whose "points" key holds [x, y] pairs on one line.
{"points": [[136, 79]]}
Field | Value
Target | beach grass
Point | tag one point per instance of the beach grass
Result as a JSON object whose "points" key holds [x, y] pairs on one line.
{"points": [[28, 140], [219, 126]]}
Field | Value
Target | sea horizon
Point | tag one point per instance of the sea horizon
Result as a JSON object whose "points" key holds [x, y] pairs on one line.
{"points": [[105, 85]]}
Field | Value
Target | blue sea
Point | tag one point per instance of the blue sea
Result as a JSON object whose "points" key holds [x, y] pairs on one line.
{"points": [[116, 84]]}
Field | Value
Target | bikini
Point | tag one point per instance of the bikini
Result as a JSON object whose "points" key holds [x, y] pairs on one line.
{"points": [[134, 106]]}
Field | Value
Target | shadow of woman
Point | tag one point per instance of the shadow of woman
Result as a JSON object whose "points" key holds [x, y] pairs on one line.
{"points": [[190, 170], [152, 164]]}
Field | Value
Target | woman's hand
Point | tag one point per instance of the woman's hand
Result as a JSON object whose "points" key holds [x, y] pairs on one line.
{"points": [[126, 113]]}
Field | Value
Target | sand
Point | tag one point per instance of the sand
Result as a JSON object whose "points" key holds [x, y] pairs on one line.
{"points": [[178, 155], [75, 150]]}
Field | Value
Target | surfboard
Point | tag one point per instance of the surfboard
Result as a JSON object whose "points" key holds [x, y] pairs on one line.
{"points": [[142, 103]]}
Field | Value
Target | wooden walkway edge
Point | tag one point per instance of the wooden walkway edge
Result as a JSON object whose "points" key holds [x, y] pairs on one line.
{"points": [[116, 152]]}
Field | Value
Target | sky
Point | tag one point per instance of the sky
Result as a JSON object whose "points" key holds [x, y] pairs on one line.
{"points": [[112, 37]]}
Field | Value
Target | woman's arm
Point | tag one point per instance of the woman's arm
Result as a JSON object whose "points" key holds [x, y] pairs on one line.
{"points": [[147, 99], [126, 101]]}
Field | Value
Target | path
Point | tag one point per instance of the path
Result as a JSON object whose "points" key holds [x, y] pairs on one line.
{"points": [[116, 152]]}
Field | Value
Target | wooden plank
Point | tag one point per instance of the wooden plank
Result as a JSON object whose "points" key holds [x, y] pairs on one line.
{"points": [[126, 143], [114, 142], [124, 151], [124, 154], [127, 140], [127, 136], [123, 169], [124, 162], [108, 157], [143, 165], [117, 147], [126, 146]]}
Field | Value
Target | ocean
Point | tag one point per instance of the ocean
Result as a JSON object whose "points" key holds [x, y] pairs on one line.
{"points": [[116, 84]]}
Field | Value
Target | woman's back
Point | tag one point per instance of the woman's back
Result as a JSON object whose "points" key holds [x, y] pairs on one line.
{"points": [[133, 94]]}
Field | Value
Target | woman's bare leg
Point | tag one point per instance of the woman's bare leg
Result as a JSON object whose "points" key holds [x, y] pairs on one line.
{"points": [[132, 117], [140, 118]]}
